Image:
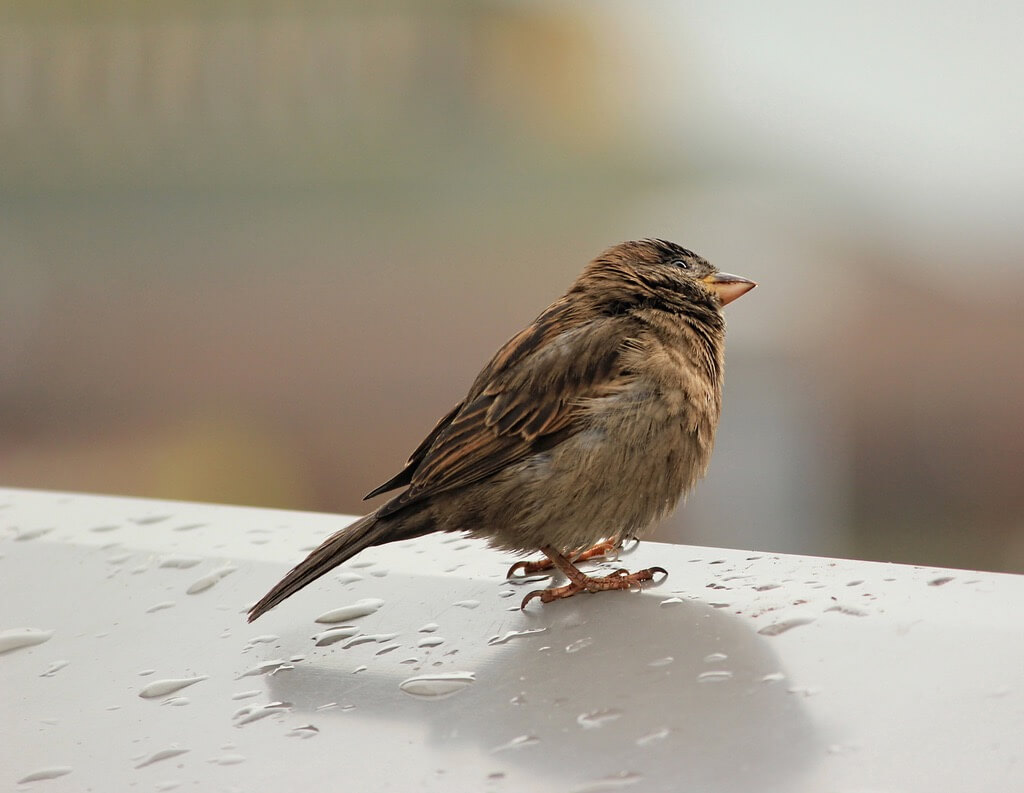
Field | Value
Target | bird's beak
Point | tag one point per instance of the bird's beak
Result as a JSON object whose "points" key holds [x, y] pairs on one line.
{"points": [[728, 287]]}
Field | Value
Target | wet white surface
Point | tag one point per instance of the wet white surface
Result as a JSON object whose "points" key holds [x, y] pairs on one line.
{"points": [[741, 672]]}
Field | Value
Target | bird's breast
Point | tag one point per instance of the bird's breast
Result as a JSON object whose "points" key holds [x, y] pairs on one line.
{"points": [[646, 444]]}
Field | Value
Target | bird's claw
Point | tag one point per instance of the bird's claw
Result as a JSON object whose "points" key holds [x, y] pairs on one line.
{"points": [[530, 596], [528, 568], [619, 579]]}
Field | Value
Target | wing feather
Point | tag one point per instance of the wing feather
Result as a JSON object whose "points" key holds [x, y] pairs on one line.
{"points": [[530, 396]]}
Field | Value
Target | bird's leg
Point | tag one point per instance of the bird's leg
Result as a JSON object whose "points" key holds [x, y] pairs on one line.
{"points": [[599, 551], [580, 582]]}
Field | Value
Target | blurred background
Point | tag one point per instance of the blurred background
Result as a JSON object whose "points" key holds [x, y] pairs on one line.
{"points": [[251, 252]]}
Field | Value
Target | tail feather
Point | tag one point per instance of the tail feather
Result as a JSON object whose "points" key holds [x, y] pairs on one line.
{"points": [[340, 546]]}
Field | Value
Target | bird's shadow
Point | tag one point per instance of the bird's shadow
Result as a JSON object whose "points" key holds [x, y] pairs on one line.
{"points": [[605, 682]]}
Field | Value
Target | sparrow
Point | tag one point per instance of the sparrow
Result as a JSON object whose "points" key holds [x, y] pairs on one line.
{"points": [[584, 429]]}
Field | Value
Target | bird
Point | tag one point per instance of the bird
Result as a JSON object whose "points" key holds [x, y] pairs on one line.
{"points": [[584, 429]]}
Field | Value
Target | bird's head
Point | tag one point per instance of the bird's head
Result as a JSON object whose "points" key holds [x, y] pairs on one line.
{"points": [[662, 271]]}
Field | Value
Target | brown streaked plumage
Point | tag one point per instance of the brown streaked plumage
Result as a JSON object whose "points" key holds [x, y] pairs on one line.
{"points": [[588, 425]]}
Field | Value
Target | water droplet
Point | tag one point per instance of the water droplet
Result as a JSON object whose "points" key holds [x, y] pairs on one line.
{"points": [[210, 579], [149, 520], [361, 608], [653, 737], [17, 638], [388, 648], [785, 625], [517, 743], [527, 579], [265, 638], [228, 758], [348, 578], [853, 611], [160, 688], [189, 527], [662, 661], [509, 635], [671, 602], [55, 667], [145, 672], [167, 604], [272, 667], [304, 731], [942, 579], [856, 582], [170, 784], [332, 635], [246, 694], [579, 644], [180, 562], [466, 604], [506, 593], [715, 676], [430, 641], [380, 638], [430, 627], [766, 587], [163, 754], [361, 563], [804, 691], [251, 713], [437, 686], [359, 669], [712, 658], [611, 782], [176, 701], [46, 773], [106, 528], [773, 677], [598, 718], [31, 534]]}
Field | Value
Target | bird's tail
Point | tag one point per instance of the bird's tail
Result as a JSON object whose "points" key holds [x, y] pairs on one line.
{"points": [[342, 545]]}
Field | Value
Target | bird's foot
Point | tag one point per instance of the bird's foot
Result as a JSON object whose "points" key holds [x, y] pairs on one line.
{"points": [[603, 550], [581, 582]]}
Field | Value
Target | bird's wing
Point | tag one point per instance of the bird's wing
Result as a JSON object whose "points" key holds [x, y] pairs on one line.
{"points": [[555, 318], [531, 395]]}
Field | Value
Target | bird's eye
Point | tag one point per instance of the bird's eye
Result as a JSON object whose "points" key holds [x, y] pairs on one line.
{"points": [[682, 264]]}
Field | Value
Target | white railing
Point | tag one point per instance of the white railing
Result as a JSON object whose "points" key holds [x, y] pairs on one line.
{"points": [[125, 660]]}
